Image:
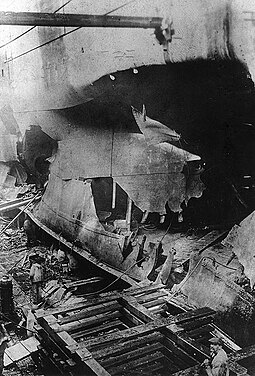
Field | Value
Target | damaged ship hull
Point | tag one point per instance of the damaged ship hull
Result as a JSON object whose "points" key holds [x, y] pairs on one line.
{"points": [[100, 206], [105, 177]]}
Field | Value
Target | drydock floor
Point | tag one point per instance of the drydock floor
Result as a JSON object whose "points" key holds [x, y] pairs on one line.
{"points": [[139, 331]]}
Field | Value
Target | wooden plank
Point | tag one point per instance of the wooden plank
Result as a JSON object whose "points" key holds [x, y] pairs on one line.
{"points": [[188, 359], [66, 338], [7, 360], [156, 311], [85, 304], [31, 344], [190, 346], [123, 347], [177, 305], [52, 331], [78, 20], [156, 324], [196, 323], [91, 311], [133, 319], [136, 308], [195, 314], [156, 366], [99, 329], [96, 368], [17, 352], [85, 254], [154, 303], [198, 331], [139, 291], [151, 296], [100, 300], [173, 358], [82, 282], [131, 355], [126, 334], [228, 342], [86, 357], [50, 324], [136, 363], [85, 323], [14, 204], [170, 366]]}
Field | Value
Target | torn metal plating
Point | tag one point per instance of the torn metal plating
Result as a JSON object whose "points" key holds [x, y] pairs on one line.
{"points": [[97, 196]]}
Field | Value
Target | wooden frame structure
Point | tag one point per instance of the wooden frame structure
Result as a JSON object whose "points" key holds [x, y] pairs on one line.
{"points": [[124, 333]]}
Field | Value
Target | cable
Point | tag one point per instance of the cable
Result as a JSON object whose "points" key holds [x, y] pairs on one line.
{"points": [[121, 6], [17, 325], [31, 28], [112, 283], [182, 284], [60, 36], [168, 228], [41, 45], [119, 277], [217, 262], [138, 261]]}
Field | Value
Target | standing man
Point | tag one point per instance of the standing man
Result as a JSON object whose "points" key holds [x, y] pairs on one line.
{"points": [[29, 229], [36, 277], [3, 345], [218, 365]]}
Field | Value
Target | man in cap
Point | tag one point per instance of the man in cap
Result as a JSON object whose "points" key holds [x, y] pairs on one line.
{"points": [[36, 277], [218, 366]]}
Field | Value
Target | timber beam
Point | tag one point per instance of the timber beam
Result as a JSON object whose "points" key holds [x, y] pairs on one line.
{"points": [[77, 20]]}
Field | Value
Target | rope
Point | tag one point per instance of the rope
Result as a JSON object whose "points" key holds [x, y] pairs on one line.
{"points": [[121, 6], [168, 228], [116, 279], [182, 284], [217, 262], [137, 262], [31, 28], [60, 36]]}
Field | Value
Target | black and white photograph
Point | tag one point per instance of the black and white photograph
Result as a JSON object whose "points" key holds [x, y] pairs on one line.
{"points": [[127, 188]]}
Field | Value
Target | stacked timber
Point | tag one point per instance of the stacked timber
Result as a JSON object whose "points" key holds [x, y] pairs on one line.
{"points": [[129, 332]]}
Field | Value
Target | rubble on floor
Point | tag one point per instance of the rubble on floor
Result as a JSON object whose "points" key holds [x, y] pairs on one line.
{"points": [[62, 289]]}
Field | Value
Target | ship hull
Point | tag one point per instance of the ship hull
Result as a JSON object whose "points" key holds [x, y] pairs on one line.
{"points": [[77, 88]]}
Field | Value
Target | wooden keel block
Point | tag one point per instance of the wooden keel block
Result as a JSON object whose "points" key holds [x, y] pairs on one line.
{"points": [[91, 311], [136, 363], [127, 345], [131, 355]]}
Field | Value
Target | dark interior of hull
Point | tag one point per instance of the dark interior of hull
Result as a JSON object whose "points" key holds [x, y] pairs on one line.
{"points": [[212, 105]]}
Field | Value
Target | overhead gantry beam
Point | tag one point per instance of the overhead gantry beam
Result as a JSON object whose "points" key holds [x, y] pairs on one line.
{"points": [[80, 20]]}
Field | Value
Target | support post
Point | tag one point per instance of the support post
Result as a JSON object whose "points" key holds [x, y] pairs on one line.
{"points": [[129, 211]]}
